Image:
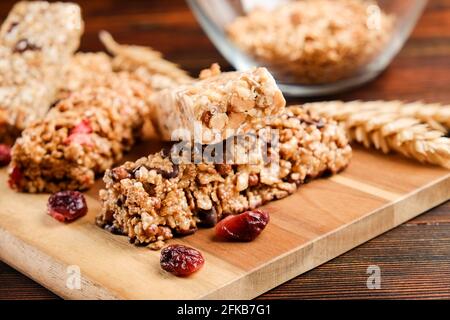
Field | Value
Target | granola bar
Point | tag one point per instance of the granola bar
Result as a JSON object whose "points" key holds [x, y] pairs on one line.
{"points": [[51, 28], [216, 107], [158, 196], [36, 40], [81, 137], [83, 70]]}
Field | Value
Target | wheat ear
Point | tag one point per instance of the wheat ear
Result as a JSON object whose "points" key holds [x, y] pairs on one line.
{"points": [[138, 56], [396, 128]]}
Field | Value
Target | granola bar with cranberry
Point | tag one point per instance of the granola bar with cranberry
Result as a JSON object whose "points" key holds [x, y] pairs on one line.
{"points": [[36, 40], [159, 196], [81, 137], [218, 106]]}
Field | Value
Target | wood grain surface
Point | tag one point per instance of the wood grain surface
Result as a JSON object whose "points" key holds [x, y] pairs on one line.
{"points": [[415, 257]]}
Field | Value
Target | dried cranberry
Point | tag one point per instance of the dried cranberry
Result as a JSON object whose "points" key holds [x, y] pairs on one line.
{"points": [[83, 127], [5, 155], [14, 177], [242, 227], [66, 206], [80, 134], [180, 260]]}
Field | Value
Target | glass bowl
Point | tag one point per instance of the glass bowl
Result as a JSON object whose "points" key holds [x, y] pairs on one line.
{"points": [[215, 17]]}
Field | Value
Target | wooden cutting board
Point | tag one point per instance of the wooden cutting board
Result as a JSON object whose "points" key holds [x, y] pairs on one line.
{"points": [[324, 219]]}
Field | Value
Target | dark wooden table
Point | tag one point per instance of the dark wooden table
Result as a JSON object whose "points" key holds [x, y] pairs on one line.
{"points": [[414, 258]]}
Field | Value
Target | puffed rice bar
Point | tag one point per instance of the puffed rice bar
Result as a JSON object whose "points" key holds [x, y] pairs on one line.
{"points": [[218, 106], [155, 198], [51, 28], [36, 40], [81, 137]]}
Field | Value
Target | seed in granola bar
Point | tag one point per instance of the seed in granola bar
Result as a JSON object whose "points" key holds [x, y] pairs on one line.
{"points": [[253, 180], [206, 117], [66, 206], [181, 260], [207, 218], [242, 227], [5, 155], [120, 173], [223, 168], [170, 174], [24, 45]]}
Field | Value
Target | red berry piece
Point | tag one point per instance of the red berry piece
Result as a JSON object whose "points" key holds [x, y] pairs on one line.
{"points": [[180, 260], [80, 134], [5, 155], [66, 206], [15, 176], [83, 127], [242, 227]]}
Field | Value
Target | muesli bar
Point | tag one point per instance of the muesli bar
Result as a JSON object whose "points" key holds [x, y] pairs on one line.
{"points": [[144, 64], [81, 137], [36, 40], [54, 29], [158, 197], [217, 107]]}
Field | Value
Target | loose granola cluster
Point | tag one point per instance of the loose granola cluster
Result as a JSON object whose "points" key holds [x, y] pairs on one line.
{"points": [[81, 137], [313, 41], [36, 40], [219, 104], [157, 197]]}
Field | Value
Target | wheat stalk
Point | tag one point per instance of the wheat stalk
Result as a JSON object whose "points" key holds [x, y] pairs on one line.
{"points": [[138, 58], [415, 130]]}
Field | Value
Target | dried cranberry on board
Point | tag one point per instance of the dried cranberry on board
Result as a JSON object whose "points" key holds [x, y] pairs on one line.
{"points": [[5, 155], [66, 206], [181, 260], [242, 227]]}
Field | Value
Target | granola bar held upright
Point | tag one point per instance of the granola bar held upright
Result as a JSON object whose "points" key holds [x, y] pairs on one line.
{"points": [[215, 107], [156, 197]]}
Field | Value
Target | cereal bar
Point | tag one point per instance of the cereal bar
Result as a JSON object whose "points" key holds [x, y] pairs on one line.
{"points": [[81, 137], [158, 197], [36, 40], [51, 28], [216, 107]]}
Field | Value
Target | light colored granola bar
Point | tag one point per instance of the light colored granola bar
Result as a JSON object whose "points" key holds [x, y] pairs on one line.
{"points": [[52, 28], [84, 69], [158, 196], [81, 137], [218, 106], [313, 41], [36, 40]]}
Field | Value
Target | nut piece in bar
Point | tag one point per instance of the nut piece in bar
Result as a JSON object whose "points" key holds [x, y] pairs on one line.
{"points": [[81, 137], [217, 107], [159, 196]]}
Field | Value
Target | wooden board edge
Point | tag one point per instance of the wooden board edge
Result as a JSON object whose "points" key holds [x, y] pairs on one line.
{"points": [[46, 270], [319, 251]]}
